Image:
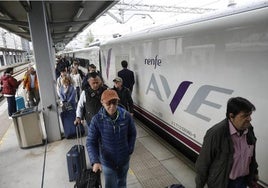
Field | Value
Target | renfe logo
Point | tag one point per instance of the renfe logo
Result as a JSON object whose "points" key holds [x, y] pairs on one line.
{"points": [[198, 99], [153, 61]]}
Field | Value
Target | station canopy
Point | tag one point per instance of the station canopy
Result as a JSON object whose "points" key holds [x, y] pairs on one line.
{"points": [[66, 19]]}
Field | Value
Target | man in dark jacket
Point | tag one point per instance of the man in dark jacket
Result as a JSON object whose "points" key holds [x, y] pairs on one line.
{"points": [[10, 86], [89, 101], [91, 69], [127, 76], [111, 140], [124, 95], [227, 158]]}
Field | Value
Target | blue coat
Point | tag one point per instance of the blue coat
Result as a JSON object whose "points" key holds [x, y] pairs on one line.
{"points": [[70, 96], [111, 142]]}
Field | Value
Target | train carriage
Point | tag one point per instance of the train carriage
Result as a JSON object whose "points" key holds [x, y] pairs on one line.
{"points": [[186, 72]]}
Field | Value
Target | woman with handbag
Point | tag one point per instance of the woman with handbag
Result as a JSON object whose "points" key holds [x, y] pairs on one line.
{"points": [[68, 101], [67, 94]]}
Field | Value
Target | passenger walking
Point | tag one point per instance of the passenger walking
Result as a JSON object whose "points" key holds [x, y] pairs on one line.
{"points": [[127, 76], [30, 84], [111, 140], [91, 69], [89, 103], [63, 73], [68, 103], [76, 66], [61, 64], [227, 158], [124, 95], [67, 92], [77, 82], [10, 86]]}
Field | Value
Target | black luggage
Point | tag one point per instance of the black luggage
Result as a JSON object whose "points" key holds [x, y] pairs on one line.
{"points": [[175, 186], [76, 158], [88, 179]]}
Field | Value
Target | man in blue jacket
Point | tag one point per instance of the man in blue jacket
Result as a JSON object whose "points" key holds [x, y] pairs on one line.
{"points": [[111, 140]]}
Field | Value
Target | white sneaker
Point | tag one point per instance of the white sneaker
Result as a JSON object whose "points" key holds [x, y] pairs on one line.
{"points": [[10, 117]]}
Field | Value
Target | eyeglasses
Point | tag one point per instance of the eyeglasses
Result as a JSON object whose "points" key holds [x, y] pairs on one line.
{"points": [[114, 102]]}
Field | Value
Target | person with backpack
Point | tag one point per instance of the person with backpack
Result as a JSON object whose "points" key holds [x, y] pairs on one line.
{"points": [[124, 95]]}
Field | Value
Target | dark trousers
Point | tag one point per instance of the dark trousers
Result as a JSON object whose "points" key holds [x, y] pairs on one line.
{"points": [[34, 97], [237, 183], [11, 105]]}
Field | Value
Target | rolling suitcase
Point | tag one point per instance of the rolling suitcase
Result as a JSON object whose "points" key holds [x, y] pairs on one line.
{"points": [[76, 158], [67, 119], [20, 104]]}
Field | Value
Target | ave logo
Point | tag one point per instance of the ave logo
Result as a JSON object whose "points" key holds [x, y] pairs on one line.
{"points": [[200, 97]]}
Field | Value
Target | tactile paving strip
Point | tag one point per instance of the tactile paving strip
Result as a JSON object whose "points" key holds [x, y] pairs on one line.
{"points": [[148, 170]]}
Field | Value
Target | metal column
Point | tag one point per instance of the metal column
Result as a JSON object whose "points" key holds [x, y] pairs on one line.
{"points": [[43, 56]]}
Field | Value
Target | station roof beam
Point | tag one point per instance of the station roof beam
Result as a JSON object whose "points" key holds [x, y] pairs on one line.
{"points": [[61, 16]]}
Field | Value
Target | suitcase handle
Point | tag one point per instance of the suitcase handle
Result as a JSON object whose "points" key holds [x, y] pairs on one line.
{"points": [[79, 136]]}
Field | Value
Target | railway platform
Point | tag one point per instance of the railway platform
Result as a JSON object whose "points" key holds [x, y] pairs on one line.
{"points": [[154, 164]]}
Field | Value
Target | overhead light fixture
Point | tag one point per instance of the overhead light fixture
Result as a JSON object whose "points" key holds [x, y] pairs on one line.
{"points": [[231, 3], [80, 11], [2, 14], [20, 28], [70, 28]]}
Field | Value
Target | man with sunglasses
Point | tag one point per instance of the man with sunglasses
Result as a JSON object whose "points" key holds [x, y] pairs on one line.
{"points": [[111, 140]]}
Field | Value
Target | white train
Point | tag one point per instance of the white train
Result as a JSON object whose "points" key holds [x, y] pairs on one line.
{"points": [[186, 72]]}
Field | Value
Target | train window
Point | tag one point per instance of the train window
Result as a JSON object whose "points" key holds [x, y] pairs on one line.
{"points": [[169, 44], [83, 62], [179, 46], [147, 46]]}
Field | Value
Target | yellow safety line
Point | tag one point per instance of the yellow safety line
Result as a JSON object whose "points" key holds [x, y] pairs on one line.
{"points": [[5, 135], [130, 171]]}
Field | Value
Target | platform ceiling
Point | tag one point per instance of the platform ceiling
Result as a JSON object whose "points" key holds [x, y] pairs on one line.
{"points": [[65, 18]]}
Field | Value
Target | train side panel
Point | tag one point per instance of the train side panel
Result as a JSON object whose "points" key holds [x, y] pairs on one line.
{"points": [[185, 74]]}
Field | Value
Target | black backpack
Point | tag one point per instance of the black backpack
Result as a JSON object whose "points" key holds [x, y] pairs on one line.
{"points": [[175, 186]]}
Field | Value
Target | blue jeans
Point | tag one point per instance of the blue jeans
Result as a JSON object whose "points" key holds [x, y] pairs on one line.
{"points": [[238, 183], [115, 178], [11, 103]]}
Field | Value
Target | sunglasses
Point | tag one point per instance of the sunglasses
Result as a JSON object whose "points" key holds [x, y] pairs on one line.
{"points": [[114, 102]]}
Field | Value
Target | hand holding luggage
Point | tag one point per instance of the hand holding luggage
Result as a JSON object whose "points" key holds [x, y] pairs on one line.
{"points": [[88, 179]]}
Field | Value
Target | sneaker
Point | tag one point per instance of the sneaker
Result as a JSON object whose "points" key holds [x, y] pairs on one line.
{"points": [[10, 117]]}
